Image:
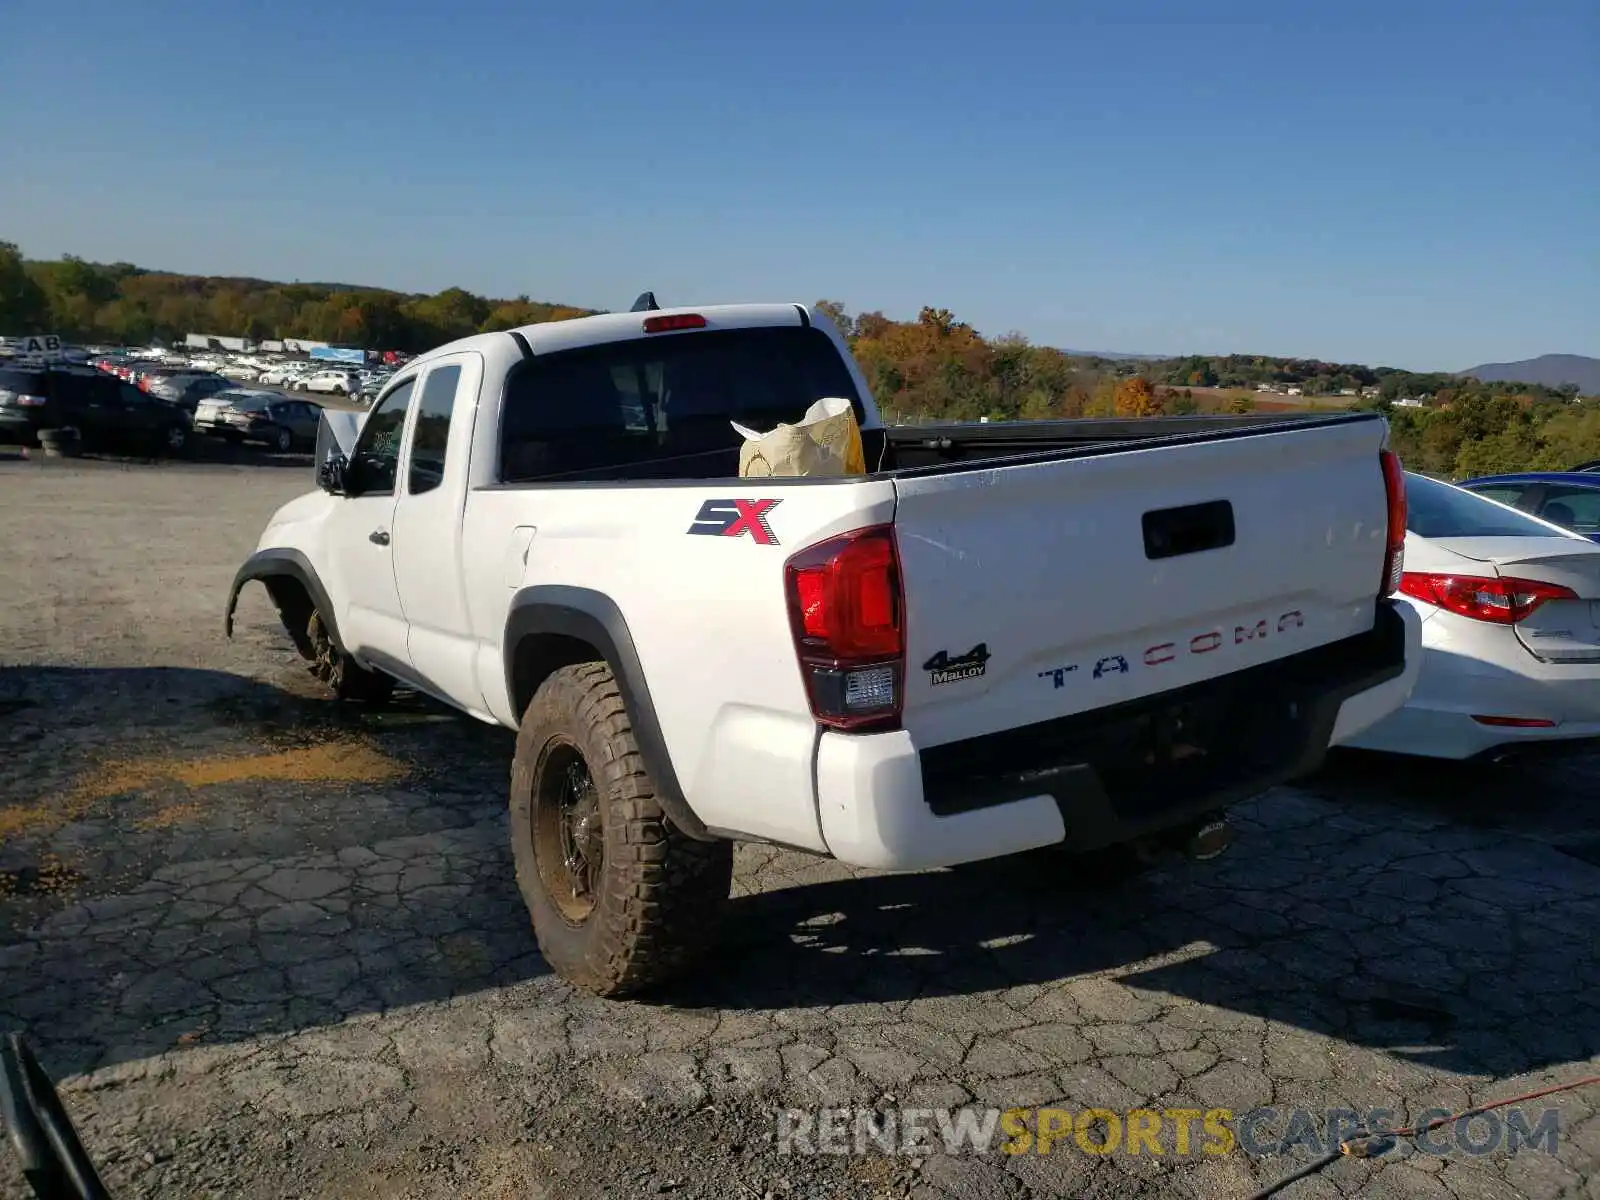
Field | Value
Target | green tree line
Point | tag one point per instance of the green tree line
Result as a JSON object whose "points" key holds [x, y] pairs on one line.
{"points": [[120, 304], [932, 368]]}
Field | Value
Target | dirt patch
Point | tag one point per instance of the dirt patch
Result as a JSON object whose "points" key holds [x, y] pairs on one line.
{"points": [[49, 877], [342, 760]]}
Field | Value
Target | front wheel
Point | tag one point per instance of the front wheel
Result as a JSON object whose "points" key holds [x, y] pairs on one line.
{"points": [[173, 439], [621, 899], [346, 678], [284, 440]]}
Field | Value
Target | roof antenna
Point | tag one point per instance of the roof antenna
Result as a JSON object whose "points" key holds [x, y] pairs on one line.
{"points": [[645, 303]]}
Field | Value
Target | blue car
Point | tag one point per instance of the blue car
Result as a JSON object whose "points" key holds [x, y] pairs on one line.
{"points": [[1570, 499]]}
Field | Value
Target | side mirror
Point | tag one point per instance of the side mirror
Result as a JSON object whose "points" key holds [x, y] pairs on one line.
{"points": [[333, 475], [42, 1135]]}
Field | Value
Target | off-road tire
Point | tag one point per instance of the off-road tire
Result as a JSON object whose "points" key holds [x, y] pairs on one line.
{"points": [[659, 895], [345, 678]]}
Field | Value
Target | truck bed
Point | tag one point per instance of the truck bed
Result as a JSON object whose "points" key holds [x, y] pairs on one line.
{"points": [[899, 449], [918, 447]]}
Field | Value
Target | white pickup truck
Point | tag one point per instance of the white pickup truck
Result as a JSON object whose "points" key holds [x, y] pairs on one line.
{"points": [[1001, 637]]}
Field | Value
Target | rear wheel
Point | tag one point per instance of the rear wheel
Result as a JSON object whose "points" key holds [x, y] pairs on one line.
{"points": [[174, 438], [283, 440], [621, 899], [346, 678]]}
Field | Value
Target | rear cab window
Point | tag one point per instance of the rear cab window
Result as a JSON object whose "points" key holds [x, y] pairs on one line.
{"points": [[1437, 510], [662, 399]]}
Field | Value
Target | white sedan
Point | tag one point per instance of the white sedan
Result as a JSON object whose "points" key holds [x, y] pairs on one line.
{"points": [[1510, 610]]}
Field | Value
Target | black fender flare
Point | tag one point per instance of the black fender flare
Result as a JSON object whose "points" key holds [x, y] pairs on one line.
{"points": [[593, 617], [276, 563]]}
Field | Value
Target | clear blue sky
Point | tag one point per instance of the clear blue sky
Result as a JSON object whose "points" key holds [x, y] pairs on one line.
{"points": [[1402, 183]]}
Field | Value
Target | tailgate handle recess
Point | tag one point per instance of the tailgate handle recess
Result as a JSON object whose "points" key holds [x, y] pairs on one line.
{"points": [[1170, 532]]}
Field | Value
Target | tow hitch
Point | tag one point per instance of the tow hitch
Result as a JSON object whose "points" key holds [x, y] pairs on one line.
{"points": [[1197, 842]]}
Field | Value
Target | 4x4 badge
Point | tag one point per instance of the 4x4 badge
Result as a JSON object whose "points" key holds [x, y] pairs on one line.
{"points": [[942, 668]]}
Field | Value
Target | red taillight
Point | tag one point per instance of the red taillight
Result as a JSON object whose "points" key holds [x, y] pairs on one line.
{"points": [[676, 321], [1500, 601], [1516, 722], [847, 613], [1394, 558]]}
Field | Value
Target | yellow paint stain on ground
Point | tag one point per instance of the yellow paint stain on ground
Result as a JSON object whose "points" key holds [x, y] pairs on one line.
{"points": [[346, 761], [169, 815], [324, 762]]}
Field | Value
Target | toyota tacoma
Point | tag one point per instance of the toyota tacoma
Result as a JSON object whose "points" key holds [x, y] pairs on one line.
{"points": [[1000, 637]]}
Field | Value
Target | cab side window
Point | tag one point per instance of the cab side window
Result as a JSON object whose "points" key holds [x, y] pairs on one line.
{"points": [[431, 436], [377, 455]]}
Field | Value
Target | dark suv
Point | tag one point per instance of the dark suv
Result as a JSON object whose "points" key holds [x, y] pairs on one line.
{"points": [[102, 408]]}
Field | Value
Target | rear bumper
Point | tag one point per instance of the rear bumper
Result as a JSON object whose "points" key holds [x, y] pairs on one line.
{"points": [[1555, 746], [22, 425], [1109, 776], [1469, 670], [217, 426]]}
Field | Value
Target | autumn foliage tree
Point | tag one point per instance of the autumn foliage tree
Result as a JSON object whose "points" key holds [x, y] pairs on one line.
{"points": [[1136, 398]]}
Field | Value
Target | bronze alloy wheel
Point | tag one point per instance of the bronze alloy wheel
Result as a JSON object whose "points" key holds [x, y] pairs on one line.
{"points": [[568, 838]]}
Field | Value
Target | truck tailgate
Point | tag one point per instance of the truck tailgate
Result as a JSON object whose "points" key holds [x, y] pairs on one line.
{"points": [[1054, 586]]}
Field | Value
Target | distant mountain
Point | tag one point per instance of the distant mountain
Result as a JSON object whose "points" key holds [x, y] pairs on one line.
{"points": [[1116, 355], [1552, 370]]}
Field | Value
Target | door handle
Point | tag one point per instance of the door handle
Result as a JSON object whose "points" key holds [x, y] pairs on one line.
{"points": [[379, 537]]}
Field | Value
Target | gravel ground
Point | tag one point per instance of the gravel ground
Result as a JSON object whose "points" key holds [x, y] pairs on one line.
{"points": [[273, 947]]}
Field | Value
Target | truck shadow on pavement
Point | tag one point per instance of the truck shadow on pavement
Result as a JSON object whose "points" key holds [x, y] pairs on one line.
{"points": [[1549, 797], [1449, 948], [190, 857]]}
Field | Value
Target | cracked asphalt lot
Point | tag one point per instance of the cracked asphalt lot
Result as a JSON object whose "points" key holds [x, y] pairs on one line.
{"points": [[273, 947]]}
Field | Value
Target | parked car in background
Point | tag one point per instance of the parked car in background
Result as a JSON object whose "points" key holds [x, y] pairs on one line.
{"points": [[1570, 499], [278, 375], [104, 410], [1510, 609], [373, 382], [271, 417], [185, 388], [336, 383]]}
